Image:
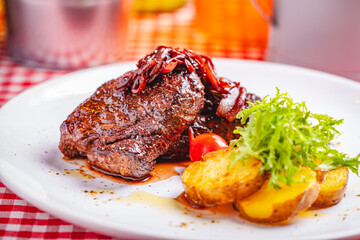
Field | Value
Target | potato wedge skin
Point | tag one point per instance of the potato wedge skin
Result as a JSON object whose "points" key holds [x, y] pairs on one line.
{"points": [[211, 183], [332, 187], [269, 205]]}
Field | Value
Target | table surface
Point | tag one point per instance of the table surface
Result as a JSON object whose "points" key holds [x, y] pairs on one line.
{"points": [[18, 219]]}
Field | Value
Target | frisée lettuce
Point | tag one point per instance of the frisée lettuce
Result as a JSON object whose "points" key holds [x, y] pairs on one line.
{"points": [[286, 136]]}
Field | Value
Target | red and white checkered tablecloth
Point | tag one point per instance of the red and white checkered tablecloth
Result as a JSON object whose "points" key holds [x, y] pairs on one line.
{"points": [[20, 220]]}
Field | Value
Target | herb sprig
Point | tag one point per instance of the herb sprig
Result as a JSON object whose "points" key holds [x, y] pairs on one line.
{"points": [[285, 136]]}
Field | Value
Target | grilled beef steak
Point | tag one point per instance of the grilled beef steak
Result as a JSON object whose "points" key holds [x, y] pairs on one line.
{"points": [[146, 113], [206, 121]]}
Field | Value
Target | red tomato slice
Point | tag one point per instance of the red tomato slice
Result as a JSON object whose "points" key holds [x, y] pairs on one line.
{"points": [[205, 143]]}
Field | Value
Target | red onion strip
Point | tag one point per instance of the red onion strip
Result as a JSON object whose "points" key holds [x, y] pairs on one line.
{"points": [[165, 60]]}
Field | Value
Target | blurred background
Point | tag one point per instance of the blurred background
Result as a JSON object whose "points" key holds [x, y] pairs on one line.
{"points": [[47, 33], [74, 34]]}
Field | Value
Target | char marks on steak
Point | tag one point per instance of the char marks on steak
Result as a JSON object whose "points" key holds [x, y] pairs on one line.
{"points": [[146, 113]]}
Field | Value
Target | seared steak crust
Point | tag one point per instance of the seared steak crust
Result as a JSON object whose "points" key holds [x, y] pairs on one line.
{"points": [[124, 133]]}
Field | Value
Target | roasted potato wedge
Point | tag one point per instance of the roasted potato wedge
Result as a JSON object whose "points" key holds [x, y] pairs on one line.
{"points": [[211, 182], [332, 186], [270, 205]]}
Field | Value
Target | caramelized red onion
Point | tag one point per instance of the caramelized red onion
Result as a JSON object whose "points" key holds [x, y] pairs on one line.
{"points": [[165, 60], [232, 103]]}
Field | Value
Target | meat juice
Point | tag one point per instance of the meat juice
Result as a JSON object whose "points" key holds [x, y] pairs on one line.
{"points": [[162, 171], [226, 209]]}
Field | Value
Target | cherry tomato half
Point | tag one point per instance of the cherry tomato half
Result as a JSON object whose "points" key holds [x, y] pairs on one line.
{"points": [[205, 143]]}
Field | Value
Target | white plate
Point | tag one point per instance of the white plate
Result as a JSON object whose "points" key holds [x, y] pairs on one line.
{"points": [[32, 167]]}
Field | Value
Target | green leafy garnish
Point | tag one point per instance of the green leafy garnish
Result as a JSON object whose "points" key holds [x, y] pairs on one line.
{"points": [[285, 136]]}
